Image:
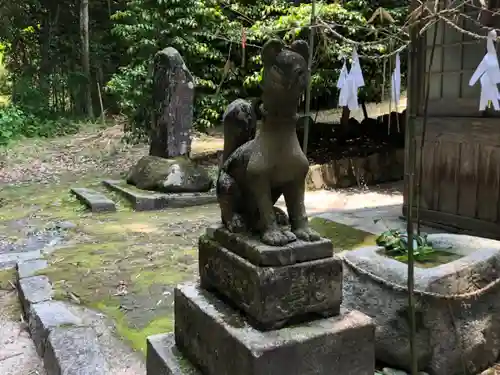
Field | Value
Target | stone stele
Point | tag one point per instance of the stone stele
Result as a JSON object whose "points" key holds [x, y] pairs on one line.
{"points": [[173, 96]]}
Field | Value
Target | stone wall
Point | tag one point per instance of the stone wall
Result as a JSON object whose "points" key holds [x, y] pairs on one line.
{"points": [[379, 167], [364, 164]]}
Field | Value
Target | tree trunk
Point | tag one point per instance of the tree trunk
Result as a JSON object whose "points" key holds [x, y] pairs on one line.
{"points": [[45, 66], [84, 35]]}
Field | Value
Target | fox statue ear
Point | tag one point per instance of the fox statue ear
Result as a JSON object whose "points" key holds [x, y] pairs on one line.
{"points": [[301, 47], [270, 50]]}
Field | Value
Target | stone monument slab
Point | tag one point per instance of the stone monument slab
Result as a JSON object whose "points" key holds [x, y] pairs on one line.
{"points": [[260, 254], [173, 97], [272, 296], [218, 341]]}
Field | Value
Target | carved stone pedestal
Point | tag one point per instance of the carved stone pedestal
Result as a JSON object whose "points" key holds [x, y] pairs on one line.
{"points": [[245, 318]]}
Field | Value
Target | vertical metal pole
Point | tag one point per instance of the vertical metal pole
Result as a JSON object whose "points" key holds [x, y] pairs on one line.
{"points": [[409, 182], [309, 74]]}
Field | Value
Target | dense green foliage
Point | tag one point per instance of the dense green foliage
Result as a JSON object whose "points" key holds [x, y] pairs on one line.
{"points": [[43, 40]]}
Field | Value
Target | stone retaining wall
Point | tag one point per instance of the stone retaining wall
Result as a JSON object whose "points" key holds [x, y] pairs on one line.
{"points": [[384, 166]]}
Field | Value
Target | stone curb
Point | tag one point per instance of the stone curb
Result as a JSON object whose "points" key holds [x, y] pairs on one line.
{"points": [[66, 345], [142, 200]]}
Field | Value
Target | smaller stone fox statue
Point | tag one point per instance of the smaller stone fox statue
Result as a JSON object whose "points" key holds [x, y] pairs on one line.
{"points": [[259, 165]]}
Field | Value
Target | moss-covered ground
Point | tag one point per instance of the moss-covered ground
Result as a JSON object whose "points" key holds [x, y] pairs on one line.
{"points": [[127, 263]]}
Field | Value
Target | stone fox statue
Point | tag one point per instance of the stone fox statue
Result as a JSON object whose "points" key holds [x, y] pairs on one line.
{"points": [[259, 165]]}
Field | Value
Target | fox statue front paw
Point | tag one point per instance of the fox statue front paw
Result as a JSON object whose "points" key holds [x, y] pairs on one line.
{"points": [[277, 237], [306, 234]]}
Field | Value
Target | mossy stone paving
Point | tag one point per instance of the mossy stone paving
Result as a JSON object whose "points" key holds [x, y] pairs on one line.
{"points": [[126, 264]]}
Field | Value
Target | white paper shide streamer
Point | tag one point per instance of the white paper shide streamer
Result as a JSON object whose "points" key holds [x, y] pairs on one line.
{"points": [[396, 82], [350, 82], [341, 84], [488, 74]]}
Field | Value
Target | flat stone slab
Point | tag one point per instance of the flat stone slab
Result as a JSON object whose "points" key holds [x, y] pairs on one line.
{"points": [[260, 254], [33, 290], [9, 260], [218, 341], [149, 201], [43, 317], [74, 351], [449, 332], [164, 358], [28, 268], [272, 296], [94, 200]]}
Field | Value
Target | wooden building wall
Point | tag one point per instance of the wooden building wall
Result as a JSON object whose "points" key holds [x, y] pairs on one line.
{"points": [[461, 155]]}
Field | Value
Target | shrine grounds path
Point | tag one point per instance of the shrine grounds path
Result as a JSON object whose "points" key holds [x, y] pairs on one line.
{"points": [[118, 269]]}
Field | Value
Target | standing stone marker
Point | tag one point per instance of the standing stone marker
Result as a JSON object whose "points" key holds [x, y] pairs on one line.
{"points": [[173, 95], [168, 167]]}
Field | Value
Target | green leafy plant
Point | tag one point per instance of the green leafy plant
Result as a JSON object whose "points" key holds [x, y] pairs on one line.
{"points": [[208, 35], [395, 244], [16, 123]]}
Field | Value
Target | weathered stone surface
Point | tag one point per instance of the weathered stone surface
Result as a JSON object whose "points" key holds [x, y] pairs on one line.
{"points": [[74, 351], [449, 332], [43, 317], [147, 201], [34, 289], [378, 167], [220, 342], [165, 359], [28, 268], [272, 296], [96, 201], [9, 260], [179, 175], [260, 254], [173, 96]]}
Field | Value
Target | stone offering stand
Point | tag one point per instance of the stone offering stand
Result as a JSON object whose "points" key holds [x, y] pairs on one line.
{"points": [[261, 309], [140, 200]]}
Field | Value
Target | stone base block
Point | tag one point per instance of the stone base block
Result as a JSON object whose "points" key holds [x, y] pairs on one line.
{"points": [[260, 254], [93, 199], [218, 341], [142, 200], [164, 358], [44, 317], [33, 290], [74, 351], [272, 296]]}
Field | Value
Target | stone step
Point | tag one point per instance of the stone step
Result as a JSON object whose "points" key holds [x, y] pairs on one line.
{"points": [[61, 338], [142, 200], [94, 200]]}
